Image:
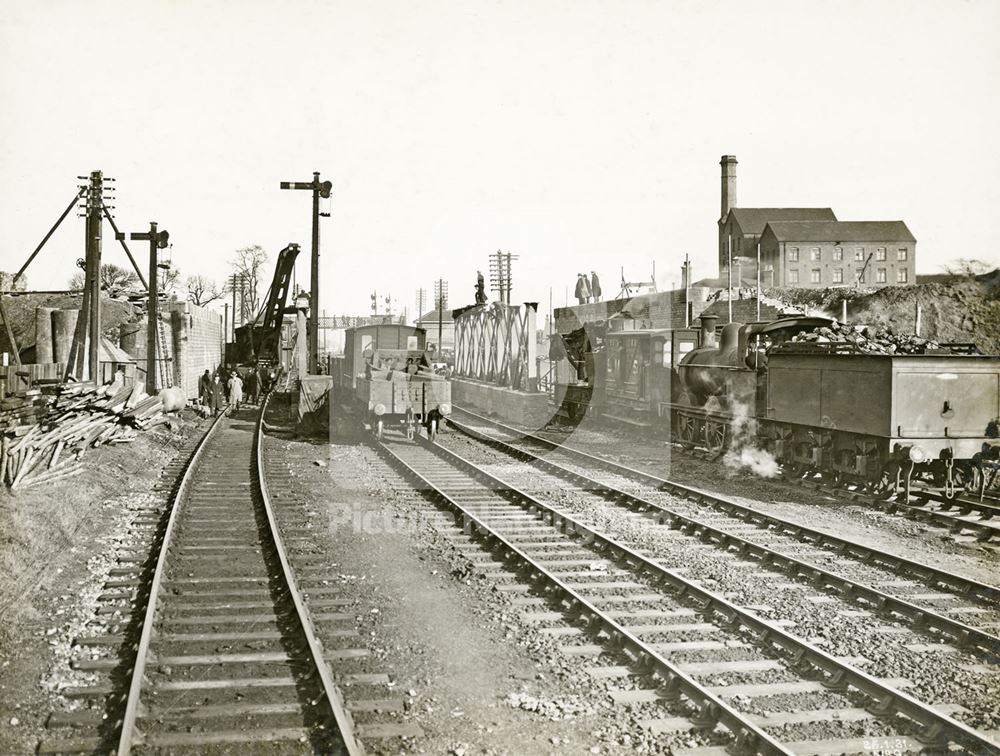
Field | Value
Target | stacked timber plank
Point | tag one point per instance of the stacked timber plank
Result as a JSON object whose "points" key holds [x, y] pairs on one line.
{"points": [[76, 417]]}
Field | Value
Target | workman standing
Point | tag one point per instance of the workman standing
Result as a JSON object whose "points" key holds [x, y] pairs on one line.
{"points": [[205, 388], [582, 290], [253, 388], [595, 286], [216, 397], [235, 389]]}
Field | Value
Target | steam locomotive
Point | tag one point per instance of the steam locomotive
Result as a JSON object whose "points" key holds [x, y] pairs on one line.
{"points": [[873, 421]]}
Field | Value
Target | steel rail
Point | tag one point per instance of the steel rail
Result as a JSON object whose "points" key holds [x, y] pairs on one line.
{"points": [[901, 565], [335, 700], [337, 710], [987, 525], [128, 730], [712, 709], [923, 619], [805, 655], [988, 510]]}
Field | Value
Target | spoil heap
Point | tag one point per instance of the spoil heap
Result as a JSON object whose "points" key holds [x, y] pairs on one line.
{"points": [[46, 434], [869, 339], [956, 308]]}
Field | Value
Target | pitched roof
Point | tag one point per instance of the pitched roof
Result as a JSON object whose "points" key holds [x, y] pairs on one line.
{"points": [[841, 231], [432, 317], [753, 219]]}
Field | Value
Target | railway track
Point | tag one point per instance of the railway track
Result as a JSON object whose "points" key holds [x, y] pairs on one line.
{"points": [[667, 640], [961, 515], [223, 653], [770, 539]]}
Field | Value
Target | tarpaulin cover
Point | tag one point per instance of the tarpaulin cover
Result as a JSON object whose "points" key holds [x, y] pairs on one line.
{"points": [[314, 402]]}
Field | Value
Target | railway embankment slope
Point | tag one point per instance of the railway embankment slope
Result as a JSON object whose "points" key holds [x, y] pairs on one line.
{"points": [[953, 309]]}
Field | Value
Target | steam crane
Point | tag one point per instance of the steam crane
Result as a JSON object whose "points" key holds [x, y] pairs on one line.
{"points": [[257, 341]]}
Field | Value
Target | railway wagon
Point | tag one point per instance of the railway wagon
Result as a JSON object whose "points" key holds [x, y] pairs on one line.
{"points": [[386, 373], [879, 418]]}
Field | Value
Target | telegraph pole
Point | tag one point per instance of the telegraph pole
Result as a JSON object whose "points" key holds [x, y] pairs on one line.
{"points": [[157, 240], [500, 277], [95, 221], [318, 189], [421, 300], [441, 296], [88, 325]]}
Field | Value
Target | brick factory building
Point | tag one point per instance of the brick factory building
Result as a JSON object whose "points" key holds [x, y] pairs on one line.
{"points": [[808, 247], [810, 254]]}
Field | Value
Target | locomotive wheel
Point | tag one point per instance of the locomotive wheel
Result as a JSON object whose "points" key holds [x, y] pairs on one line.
{"points": [[715, 436], [686, 431]]}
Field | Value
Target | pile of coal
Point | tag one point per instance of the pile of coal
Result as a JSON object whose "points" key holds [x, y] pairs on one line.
{"points": [[869, 339]]}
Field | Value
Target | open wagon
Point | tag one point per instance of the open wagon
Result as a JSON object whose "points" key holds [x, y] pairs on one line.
{"points": [[388, 373]]}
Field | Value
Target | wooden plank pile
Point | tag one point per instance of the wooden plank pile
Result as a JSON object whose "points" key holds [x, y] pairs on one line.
{"points": [[75, 417]]}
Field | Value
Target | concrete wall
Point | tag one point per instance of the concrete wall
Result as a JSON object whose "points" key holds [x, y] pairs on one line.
{"points": [[665, 309], [519, 407], [197, 344], [192, 338]]}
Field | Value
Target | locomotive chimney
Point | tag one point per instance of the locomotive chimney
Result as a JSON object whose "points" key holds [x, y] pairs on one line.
{"points": [[708, 329], [728, 164]]}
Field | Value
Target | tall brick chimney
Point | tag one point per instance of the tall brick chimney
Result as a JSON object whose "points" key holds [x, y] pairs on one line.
{"points": [[728, 164]]}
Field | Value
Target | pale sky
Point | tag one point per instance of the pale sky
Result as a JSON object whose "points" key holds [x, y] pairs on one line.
{"points": [[581, 135]]}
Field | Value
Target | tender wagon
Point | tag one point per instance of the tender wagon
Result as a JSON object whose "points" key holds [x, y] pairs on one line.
{"points": [[874, 416]]}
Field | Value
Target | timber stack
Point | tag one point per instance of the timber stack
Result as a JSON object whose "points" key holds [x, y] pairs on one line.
{"points": [[50, 431]]}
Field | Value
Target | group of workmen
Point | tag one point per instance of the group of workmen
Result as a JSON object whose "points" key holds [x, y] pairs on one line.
{"points": [[230, 386], [587, 289]]}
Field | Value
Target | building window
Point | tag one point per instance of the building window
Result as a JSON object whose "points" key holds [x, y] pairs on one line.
{"points": [[880, 254], [838, 254], [793, 254], [880, 276], [814, 254], [859, 254], [901, 254], [901, 275], [793, 276], [668, 353], [838, 275], [815, 276]]}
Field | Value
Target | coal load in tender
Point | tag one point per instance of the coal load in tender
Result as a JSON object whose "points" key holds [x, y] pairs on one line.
{"points": [[868, 339]]}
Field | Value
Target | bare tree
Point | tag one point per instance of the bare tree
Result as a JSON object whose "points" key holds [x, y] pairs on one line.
{"points": [[247, 266], [202, 290], [167, 282], [966, 266], [114, 278]]}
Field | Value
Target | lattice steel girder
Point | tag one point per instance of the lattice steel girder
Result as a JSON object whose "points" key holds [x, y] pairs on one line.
{"points": [[496, 344]]}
